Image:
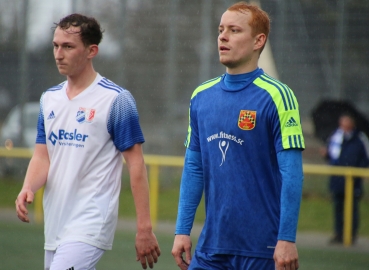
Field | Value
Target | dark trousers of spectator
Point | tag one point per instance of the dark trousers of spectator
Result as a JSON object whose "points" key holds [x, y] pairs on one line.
{"points": [[338, 205]]}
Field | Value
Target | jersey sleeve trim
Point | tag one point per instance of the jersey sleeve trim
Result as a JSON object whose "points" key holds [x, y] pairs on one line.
{"points": [[287, 107], [41, 134]]}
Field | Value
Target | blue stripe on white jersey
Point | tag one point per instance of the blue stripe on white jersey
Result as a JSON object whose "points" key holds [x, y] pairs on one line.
{"points": [[110, 85], [41, 135], [56, 87]]}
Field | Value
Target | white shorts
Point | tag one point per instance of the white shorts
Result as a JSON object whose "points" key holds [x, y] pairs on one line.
{"points": [[73, 256]]}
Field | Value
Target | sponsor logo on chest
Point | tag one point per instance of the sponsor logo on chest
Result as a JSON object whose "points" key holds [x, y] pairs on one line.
{"points": [[63, 135]]}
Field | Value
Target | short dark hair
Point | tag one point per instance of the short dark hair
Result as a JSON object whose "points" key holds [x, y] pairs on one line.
{"points": [[91, 32]]}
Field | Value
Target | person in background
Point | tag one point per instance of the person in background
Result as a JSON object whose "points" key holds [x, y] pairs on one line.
{"points": [[86, 126], [244, 151], [347, 146]]}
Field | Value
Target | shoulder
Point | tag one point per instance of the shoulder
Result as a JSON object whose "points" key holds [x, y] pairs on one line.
{"points": [[110, 86], [206, 85], [56, 87], [279, 92]]}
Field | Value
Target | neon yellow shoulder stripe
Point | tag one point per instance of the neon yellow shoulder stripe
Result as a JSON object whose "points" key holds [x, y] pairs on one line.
{"points": [[287, 107], [200, 88], [205, 86]]}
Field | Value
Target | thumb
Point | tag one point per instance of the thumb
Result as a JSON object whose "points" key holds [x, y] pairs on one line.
{"points": [[137, 256], [30, 197]]}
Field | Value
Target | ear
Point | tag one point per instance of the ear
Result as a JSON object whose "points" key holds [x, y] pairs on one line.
{"points": [[260, 40], [93, 50]]}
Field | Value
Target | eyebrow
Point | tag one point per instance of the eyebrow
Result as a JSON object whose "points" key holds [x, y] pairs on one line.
{"points": [[232, 25], [63, 43]]}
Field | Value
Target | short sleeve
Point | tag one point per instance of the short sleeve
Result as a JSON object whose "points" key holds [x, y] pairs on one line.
{"points": [[123, 122], [291, 130], [41, 135]]}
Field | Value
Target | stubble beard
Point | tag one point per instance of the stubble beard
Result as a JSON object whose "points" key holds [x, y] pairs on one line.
{"points": [[228, 63]]}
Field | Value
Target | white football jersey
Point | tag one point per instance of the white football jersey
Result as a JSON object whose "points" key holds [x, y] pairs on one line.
{"points": [[85, 137]]}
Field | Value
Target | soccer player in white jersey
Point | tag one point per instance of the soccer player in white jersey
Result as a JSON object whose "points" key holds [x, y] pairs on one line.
{"points": [[244, 147], [86, 126]]}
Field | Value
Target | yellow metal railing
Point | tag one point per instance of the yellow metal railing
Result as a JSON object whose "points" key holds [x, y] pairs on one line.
{"points": [[154, 162]]}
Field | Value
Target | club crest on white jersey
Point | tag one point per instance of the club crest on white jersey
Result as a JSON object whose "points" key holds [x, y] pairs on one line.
{"points": [[85, 115]]}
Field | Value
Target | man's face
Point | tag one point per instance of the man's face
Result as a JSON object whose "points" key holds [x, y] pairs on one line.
{"points": [[70, 53], [346, 123], [235, 41]]}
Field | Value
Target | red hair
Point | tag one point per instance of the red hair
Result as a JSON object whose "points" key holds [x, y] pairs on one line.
{"points": [[260, 22]]}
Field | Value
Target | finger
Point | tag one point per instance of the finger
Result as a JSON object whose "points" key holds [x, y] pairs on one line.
{"points": [[293, 265], [154, 256], [22, 217], [22, 214], [20, 202], [179, 261], [188, 257], [183, 266], [150, 260], [142, 259], [158, 251], [143, 263], [278, 266]]}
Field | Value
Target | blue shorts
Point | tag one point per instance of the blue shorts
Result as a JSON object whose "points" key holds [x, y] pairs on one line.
{"points": [[205, 261]]}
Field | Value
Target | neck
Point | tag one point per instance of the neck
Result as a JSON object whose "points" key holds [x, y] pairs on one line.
{"points": [[78, 83], [244, 68], [241, 69]]}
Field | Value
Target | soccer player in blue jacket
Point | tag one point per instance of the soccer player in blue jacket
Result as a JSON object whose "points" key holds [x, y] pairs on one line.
{"points": [[244, 147]]}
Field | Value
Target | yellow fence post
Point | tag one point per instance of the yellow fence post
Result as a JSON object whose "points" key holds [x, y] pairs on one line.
{"points": [[154, 193], [348, 209], [39, 214]]}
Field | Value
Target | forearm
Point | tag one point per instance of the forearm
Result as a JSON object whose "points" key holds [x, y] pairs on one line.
{"points": [[139, 186], [290, 164], [140, 192], [192, 185], [38, 169]]}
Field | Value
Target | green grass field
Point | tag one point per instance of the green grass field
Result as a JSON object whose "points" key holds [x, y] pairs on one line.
{"points": [[22, 248], [21, 245], [315, 213]]}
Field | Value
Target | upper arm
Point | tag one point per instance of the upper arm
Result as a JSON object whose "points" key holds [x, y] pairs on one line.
{"points": [[133, 155], [123, 123], [40, 152]]}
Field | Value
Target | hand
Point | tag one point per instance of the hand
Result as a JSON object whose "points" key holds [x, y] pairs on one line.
{"points": [[25, 197], [147, 249], [286, 256], [182, 243]]}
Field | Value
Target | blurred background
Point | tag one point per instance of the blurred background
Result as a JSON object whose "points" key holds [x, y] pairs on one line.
{"points": [[161, 50]]}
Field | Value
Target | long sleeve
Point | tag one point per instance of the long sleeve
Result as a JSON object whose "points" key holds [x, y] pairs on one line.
{"points": [[192, 185], [290, 166]]}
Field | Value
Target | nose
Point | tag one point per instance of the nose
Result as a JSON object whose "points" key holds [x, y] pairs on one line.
{"points": [[58, 54], [223, 36]]}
